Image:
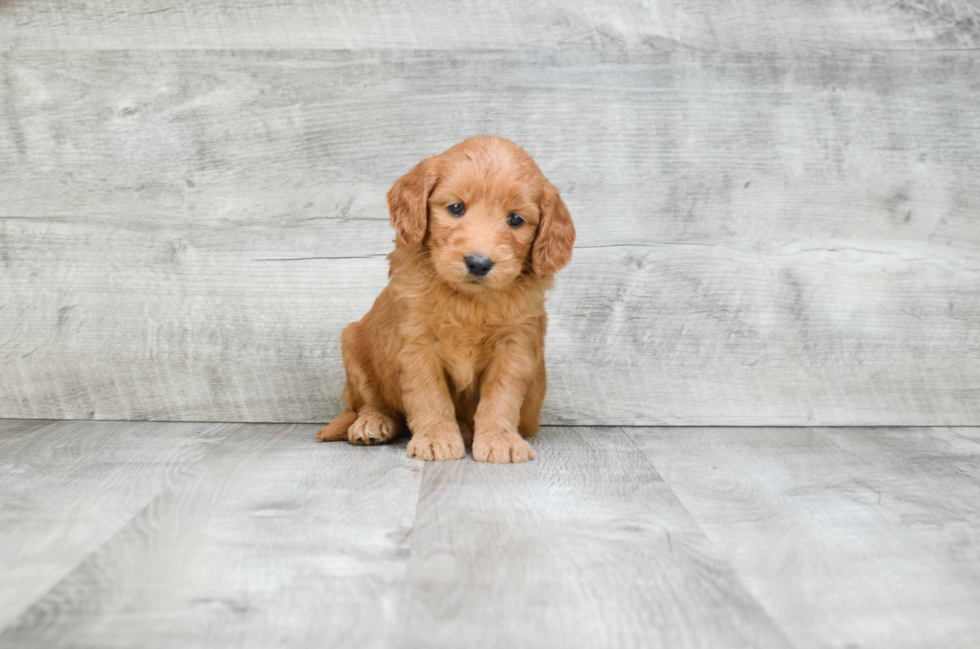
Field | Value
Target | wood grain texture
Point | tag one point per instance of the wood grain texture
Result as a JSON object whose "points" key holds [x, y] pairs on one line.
{"points": [[15, 432], [255, 536], [584, 547], [848, 537], [638, 334], [67, 487], [831, 146], [764, 238], [756, 25], [271, 540]]}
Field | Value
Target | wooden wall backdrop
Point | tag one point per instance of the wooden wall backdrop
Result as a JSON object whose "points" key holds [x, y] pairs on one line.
{"points": [[778, 203]]}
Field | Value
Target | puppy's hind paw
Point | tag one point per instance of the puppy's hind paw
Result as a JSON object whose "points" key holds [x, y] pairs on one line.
{"points": [[372, 428]]}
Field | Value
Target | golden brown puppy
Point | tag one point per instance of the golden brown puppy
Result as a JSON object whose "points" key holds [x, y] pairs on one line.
{"points": [[454, 345]]}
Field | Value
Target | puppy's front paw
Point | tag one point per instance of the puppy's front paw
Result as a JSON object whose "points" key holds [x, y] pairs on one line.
{"points": [[372, 428], [502, 448], [437, 446]]}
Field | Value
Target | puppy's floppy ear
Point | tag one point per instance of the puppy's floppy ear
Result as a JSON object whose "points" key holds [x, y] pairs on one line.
{"points": [[408, 203], [556, 235]]}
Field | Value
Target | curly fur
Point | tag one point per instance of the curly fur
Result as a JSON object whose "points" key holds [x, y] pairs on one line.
{"points": [[459, 359]]}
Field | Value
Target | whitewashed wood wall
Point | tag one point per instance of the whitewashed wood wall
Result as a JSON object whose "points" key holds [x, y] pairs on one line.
{"points": [[778, 203]]}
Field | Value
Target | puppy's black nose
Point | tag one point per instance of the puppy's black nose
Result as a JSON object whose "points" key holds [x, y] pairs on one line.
{"points": [[478, 265]]}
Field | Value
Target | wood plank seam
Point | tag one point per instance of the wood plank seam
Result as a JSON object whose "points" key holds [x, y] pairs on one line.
{"points": [[182, 473], [738, 578]]}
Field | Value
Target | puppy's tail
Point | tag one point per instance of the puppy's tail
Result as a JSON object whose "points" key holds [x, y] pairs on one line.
{"points": [[336, 430]]}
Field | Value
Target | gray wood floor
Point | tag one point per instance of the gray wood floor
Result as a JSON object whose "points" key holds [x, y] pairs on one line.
{"points": [[126, 534]]}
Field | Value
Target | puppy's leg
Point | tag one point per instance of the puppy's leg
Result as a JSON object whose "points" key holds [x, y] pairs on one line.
{"points": [[367, 420], [428, 407], [533, 398], [372, 427], [502, 388]]}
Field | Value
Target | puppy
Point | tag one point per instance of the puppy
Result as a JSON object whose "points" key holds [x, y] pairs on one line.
{"points": [[454, 345]]}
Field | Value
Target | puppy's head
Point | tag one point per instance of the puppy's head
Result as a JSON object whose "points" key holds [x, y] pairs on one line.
{"points": [[484, 214]]}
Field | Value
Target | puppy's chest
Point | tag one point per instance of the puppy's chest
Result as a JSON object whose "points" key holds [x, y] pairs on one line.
{"points": [[465, 353]]}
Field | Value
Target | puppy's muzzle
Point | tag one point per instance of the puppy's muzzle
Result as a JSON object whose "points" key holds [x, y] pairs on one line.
{"points": [[478, 265]]}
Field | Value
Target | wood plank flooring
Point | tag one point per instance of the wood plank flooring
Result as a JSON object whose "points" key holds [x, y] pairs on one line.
{"points": [[124, 534]]}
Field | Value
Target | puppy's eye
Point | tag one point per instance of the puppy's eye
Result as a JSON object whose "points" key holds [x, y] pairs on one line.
{"points": [[515, 221], [456, 209]]}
